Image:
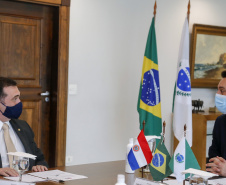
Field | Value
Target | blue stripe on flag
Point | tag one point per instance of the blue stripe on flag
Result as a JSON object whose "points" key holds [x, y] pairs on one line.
{"points": [[132, 160]]}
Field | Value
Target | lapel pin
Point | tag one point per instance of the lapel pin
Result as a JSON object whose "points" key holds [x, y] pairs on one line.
{"points": [[18, 129]]}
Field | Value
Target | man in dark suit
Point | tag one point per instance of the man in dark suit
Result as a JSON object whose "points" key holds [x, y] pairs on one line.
{"points": [[217, 151], [18, 134]]}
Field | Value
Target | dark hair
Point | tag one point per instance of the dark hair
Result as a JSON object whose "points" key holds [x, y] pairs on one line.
{"points": [[223, 74], [5, 82]]}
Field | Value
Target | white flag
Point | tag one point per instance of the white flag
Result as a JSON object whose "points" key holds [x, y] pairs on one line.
{"points": [[182, 159], [177, 163], [182, 99]]}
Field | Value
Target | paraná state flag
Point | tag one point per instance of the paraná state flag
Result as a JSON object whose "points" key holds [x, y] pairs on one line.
{"points": [[183, 159], [182, 106], [149, 102], [159, 166], [140, 154]]}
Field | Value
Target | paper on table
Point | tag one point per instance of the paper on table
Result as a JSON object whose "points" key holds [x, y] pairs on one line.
{"points": [[221, 181], [22, 154], [141, 181], [7, 182], [199, 173], [148, 138], [57, 175], [172, 175], [26, 178], [175, 182]]}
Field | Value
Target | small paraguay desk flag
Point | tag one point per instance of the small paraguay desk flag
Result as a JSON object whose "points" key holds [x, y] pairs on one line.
{"points": [[149, 102], [140, 154]]}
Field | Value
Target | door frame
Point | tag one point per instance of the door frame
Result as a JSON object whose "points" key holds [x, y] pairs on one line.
{"points": [[62, 83], [49, 2]]}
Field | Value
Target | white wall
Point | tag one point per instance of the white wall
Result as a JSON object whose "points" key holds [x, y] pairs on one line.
{"points": [[107, 43]]}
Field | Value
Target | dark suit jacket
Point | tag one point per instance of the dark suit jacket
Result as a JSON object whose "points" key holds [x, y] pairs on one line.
{"points": [[26, 135], [218, 147]]}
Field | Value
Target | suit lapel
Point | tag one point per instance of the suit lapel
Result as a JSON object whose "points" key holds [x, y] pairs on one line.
{"points": [[19, 131], [21, 134]]}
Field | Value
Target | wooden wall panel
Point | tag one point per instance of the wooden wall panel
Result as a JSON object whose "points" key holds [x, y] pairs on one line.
{"points": [[20, 47]]}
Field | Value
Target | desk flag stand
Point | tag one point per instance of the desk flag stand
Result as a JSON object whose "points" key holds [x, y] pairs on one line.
{"points": [[142, 169], [185, 128], [163, 135]]}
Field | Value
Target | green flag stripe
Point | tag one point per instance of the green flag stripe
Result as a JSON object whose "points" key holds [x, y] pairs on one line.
{"points": [[139, 97], [151, 46], [174, 93], [153, 124], [191, 161]]}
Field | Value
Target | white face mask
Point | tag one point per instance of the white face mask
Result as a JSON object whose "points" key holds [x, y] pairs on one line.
{"points": [[220, 101]]}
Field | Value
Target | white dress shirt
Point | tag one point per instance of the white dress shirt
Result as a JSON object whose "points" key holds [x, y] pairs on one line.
{"points": [[16, 141]]}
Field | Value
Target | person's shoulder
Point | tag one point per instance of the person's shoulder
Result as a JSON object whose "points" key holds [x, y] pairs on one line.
{"points": [[23, 125], [19, 122], [221, 119]]}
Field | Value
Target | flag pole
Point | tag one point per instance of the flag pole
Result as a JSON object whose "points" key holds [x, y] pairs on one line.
{"points": [[155, 7], [164, 131], [142, 168], [185, 128], [188, 13], [143, 125], [163, 135]]}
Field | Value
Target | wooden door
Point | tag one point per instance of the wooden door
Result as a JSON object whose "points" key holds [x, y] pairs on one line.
{"points": [[28, 54]]}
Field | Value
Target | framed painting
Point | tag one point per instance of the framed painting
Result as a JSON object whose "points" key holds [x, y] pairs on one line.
{"points": [[208, 55]]}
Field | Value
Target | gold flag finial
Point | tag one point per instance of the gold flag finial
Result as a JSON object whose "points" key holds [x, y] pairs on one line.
{"points": [[155, 7], [189, 6], [164, 126], [163, 131], [143, 125], [185, 128]]}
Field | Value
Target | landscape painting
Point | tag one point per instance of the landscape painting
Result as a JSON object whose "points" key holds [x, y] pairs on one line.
{"points": [[208, 55]]}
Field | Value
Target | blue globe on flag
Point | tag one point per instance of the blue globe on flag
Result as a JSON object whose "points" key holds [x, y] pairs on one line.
{"points": [[158, 160], [183, 81], [179, 158], [150, 88]]}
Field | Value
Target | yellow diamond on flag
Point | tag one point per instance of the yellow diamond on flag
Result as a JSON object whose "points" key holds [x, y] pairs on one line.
{"points": [[159, 161], [151, 101]]}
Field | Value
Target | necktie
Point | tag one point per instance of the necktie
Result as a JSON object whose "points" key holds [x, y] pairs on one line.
{"points": [[9, 144]]}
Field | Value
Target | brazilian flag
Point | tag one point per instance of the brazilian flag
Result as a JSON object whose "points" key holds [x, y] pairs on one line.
{"points": [[149, 102], [159, 166]]}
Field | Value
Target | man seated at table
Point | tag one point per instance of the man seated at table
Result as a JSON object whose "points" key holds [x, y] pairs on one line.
{"points": [[217, 151], [15, 135]]}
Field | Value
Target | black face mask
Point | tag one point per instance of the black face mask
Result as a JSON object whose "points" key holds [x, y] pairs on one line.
{"points": [[13, 112]]}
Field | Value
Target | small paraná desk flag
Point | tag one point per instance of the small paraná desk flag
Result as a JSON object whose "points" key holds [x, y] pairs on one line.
{"points": [[183, 159]]}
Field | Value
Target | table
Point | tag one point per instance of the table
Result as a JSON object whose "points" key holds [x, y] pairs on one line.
{"points": [[104, 173]]}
